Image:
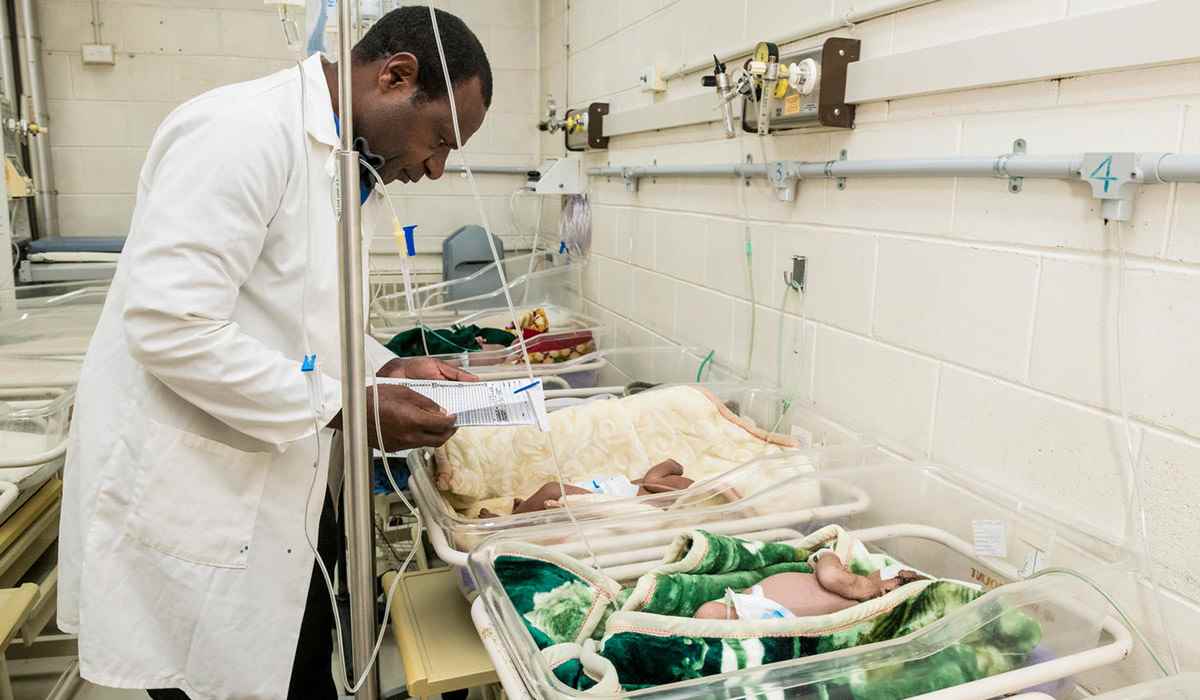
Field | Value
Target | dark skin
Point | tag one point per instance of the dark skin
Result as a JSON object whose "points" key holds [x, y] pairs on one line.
{"points": [[407, 418], [414, 135]]}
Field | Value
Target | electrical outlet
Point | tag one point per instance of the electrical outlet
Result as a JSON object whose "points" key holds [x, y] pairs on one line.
{"points": [[98, 54], [650, 79]]}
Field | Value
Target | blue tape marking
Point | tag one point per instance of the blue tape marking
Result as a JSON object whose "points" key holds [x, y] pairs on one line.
{"points": [[309, 363], [408, 239], [1107, 177], [528, 386], [562, 247]]}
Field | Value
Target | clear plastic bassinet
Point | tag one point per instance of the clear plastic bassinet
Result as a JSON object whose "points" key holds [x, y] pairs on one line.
{"points": [[923, 516], [453, 535]]}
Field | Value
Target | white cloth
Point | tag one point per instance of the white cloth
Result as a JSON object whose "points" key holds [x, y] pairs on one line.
{"points": [[183, 560]]}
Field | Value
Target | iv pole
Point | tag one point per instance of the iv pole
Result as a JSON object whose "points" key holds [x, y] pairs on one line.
{"points": [[360, 576]]}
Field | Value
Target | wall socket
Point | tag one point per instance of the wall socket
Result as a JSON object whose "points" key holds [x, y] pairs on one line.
{"points": [[98, 54], [796, 279]]}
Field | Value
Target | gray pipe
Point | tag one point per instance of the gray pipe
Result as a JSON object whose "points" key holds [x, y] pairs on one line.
{"points": [[1001, 166], [359, 521], [7, 74], [492, 169], [1153, 167], [638, 171], [47, 202], [1171, 167]]}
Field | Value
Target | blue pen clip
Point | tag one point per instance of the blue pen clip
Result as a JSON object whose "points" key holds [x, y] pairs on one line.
{"points": [[562, 247], [309, 363], [408, 239], [528, 386]]}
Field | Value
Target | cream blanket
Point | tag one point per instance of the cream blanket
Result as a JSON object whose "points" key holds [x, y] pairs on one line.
{"points": [[602, 438]]}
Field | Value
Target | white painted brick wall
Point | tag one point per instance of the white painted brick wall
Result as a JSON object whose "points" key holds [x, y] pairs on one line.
{"points": [[951, 318], [168, 51]]}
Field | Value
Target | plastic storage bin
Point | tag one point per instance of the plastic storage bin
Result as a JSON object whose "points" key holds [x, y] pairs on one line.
{"points": [[33, 439], [33, 426], [51, 321], [566, 354], [922, 516], [555, 283]]}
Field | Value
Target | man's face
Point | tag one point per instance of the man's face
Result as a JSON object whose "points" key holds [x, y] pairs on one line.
{"points": [[412, 133]]}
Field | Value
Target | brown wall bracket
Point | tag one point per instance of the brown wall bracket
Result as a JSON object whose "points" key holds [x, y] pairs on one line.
{"points": [[588, 132], [836, 55]]}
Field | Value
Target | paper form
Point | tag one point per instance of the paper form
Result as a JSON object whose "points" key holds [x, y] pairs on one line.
{"points": [[499, 403]]}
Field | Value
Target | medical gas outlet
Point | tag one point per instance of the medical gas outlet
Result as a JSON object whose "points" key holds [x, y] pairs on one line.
{"points": [[787, 91], [583, 129]]}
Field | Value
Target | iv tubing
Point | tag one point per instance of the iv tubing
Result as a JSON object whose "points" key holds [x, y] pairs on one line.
{"points": [[405, 267], [315, 394], [1096, 587], [462, 147], [1138, 512]]}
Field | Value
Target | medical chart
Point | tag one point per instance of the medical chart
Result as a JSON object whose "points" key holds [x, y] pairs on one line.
{"points": [[509, 402]]}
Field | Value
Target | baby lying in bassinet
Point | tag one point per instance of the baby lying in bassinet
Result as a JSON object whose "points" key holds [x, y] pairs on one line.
{"points": [[600, 637], [662, 478], [487, 468]]}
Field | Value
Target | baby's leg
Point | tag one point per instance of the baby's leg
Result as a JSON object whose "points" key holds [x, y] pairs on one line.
{"points": [[834, 577]]}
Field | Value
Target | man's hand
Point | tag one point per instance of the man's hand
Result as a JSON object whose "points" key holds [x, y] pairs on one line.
{"points": [[424, 368], [407, 419]]}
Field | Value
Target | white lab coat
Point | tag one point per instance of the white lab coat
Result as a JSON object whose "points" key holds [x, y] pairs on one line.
{"points": [[183, 559]]}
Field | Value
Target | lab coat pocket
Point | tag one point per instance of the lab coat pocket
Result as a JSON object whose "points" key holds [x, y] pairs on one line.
{"points": [[197, 499]]}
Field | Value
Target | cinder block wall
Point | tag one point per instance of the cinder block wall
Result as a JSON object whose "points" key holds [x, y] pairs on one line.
{"points": [[103, 117], [951, 318]]}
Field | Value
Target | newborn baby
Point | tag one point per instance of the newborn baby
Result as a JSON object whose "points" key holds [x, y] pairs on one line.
{"points": [[831, 588], [663, 477]]}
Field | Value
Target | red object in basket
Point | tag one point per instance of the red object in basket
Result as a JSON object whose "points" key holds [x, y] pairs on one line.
{"points": [[557, 341]]}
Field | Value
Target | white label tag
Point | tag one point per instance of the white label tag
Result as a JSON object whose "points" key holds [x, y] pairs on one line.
{"points": [[991, 538], [617, 486]]}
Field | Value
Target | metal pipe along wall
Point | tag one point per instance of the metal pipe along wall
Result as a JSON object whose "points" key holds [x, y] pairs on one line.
{"points": [[7, 71], [1153, 168], [47, 196]]}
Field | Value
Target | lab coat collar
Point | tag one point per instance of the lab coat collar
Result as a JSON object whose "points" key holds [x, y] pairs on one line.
{"points": [[320, 120], [319, 112]]}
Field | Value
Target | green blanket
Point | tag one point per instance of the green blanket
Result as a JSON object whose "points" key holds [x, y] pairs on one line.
{"points": [[647, 637], [447, 341]]}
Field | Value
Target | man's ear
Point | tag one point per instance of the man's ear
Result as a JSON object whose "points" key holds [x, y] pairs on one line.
{"points": [[399, 72]]}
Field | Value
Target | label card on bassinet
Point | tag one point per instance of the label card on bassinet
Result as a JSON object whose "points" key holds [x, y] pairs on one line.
{"points": [[991, 538], [509, 402]]}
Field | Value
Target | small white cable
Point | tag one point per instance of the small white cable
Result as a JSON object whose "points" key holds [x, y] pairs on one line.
{"points": [[405, 265], [462, 148], [748, 244], [1138, 510], [1120, 612]]}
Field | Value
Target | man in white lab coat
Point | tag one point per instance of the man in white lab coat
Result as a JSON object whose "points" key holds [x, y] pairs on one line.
{"points": [[197, 467]]}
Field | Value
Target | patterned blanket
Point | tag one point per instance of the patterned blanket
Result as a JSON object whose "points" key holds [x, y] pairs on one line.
{"points": [[597, 635]]}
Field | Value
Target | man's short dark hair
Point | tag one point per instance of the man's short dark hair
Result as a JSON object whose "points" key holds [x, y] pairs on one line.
{"points": [[409, 29]]}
